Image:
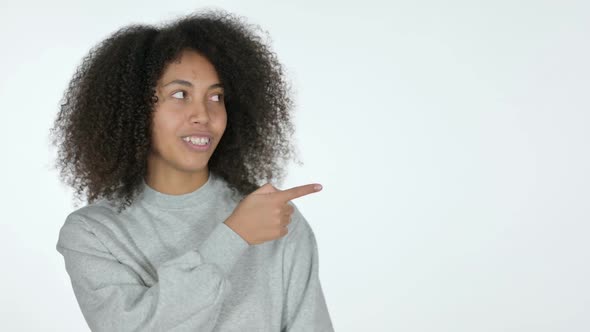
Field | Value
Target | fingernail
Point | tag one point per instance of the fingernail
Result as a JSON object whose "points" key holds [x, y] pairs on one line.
{"points": [[318, 187]]}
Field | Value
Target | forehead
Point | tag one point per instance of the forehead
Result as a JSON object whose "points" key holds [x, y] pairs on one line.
{"points": [[190, 65]]}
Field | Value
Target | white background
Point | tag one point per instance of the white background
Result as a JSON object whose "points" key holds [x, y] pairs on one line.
{"points": [[451, 138]]}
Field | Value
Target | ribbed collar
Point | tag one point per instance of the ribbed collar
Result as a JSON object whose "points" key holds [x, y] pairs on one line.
{"points": [[200, 196]]}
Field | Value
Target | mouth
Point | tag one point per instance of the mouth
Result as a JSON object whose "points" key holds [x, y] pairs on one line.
{"points": [[197, 143]]}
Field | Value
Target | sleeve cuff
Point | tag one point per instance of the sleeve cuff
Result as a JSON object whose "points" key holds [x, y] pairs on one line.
{"points": [[223, 247]]}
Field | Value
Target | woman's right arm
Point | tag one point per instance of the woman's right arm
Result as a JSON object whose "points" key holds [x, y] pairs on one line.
{"points": [[112, 297]]}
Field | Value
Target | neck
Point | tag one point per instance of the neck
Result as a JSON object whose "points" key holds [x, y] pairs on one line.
{"points": [[178, 183]]}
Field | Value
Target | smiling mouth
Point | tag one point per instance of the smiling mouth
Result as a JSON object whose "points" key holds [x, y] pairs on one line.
{"points": [[197, 140], [201, 145]]}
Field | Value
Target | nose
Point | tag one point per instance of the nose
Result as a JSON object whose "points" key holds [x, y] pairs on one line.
{"points": [[199, 114]]}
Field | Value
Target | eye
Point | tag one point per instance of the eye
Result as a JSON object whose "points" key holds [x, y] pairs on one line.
{"points": [[178, 93], [219, 96]]}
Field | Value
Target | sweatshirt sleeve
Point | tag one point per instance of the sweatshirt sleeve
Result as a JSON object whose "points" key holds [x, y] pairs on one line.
{"points": [[305, 307], [187, 296]]}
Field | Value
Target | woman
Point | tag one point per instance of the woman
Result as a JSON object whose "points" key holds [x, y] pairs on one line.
{"points": [[168, 130]]}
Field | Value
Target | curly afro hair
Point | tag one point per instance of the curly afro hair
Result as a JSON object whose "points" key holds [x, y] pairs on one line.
{"points": [[104, 125]]}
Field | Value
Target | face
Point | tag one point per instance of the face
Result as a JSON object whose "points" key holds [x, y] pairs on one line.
{"points": [[190, 103]]}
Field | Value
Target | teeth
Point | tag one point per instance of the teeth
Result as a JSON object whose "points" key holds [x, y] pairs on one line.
{"points": [[197, 140]]}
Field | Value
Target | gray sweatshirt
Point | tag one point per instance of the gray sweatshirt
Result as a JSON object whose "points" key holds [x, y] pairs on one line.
{"points": [[169, 263]]}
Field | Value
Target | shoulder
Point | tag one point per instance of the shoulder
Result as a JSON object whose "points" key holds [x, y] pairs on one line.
{"points": [[299, 228], [100, 212], [87, 222]]}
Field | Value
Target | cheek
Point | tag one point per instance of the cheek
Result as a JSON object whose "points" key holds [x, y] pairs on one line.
{"points": [[221, 121], [165, 125]]}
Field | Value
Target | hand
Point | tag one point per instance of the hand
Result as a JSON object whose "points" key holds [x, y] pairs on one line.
{"points": [[264, 214]]}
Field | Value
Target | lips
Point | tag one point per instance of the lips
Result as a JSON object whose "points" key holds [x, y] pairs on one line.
{"points": [[195, 147], [198, 134]]}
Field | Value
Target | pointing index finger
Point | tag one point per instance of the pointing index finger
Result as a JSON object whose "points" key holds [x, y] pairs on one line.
{"points": [[296, 192]]}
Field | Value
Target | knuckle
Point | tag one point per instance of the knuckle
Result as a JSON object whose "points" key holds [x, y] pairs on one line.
{"points": [[285, 222], [278, 222], [277, 211]]}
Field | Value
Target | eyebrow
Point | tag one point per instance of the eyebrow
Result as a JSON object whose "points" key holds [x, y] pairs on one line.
{"points": [[189, 84]]}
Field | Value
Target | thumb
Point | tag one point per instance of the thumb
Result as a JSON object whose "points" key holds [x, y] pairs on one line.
{"points": [[265, 189]]}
